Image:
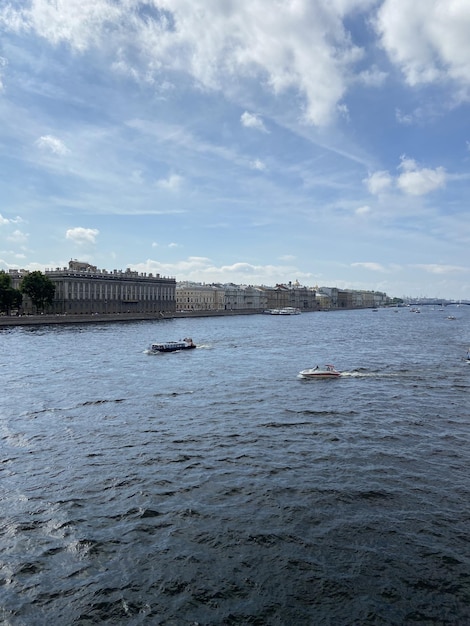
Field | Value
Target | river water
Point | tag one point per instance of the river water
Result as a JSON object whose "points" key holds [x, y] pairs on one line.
{"points": [[213, 486]]}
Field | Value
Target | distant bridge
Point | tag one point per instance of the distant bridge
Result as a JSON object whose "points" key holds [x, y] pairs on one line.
{"points": [[437, 303]]}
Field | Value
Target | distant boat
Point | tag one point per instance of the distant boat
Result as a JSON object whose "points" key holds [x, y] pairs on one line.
{"points": [[328, 371], [172, 346], [288, 310]]}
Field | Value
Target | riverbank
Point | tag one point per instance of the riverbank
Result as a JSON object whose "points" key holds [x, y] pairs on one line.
{"points": [[40, 320]]}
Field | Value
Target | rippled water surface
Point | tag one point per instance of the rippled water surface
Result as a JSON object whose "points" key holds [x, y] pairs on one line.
{"points": [[214, 486]]}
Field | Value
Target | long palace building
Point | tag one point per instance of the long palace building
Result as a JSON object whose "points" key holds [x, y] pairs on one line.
{"points": [[84, 289]]}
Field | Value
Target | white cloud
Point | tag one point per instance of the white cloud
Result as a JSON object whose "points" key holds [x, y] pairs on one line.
{"points": [[203, 269], [363, 210], [372, 77], [52, 144], [258, 165], [81, 235], [251, 120], [378, 182], [375, 267], [11, 254], [223, 43], [412, 180], [428, 40], [18, 237], [433, 268], [76, 22], [6, 220], [172, 183], [417, 182], [301, 50], [402, 118]]}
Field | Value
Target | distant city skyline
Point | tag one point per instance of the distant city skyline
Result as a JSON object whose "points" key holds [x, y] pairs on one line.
{"points": [[324, 141]]}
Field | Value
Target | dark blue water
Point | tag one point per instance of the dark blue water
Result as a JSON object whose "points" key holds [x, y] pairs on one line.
{"points": [[214, 487]]}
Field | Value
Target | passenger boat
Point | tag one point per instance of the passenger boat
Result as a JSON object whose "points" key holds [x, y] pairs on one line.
{"points": [[173, 346], [328, 371], [288, 310]]}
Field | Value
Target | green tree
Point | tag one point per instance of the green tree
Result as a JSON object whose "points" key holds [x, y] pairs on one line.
{"points": [[10, 298], [39, 288]]}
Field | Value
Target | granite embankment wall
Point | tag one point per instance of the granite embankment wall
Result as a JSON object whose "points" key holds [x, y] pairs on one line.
{"points": [[39, 320]]}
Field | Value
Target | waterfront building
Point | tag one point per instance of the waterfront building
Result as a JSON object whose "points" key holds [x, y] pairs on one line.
{"points": [[291, 295], [331, 293], [277, 297], [244, 298], [84, 289], [323, 300], [352, 298], [344, 299], [368, 299], [193, 297], [357, 299]]}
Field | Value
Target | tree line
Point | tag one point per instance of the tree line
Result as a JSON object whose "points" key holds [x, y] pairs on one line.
{"points": [[38, 287]]}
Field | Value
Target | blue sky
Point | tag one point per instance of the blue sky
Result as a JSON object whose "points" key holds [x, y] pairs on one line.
{"points": [[254, 142]]}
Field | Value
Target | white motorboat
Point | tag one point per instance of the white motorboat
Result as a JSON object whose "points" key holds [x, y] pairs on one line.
{"points": [[172, 346], [328, 371]]}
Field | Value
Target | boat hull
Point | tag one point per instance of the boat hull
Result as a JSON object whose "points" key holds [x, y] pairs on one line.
{"points": [[320, 375], [170, 348]]}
